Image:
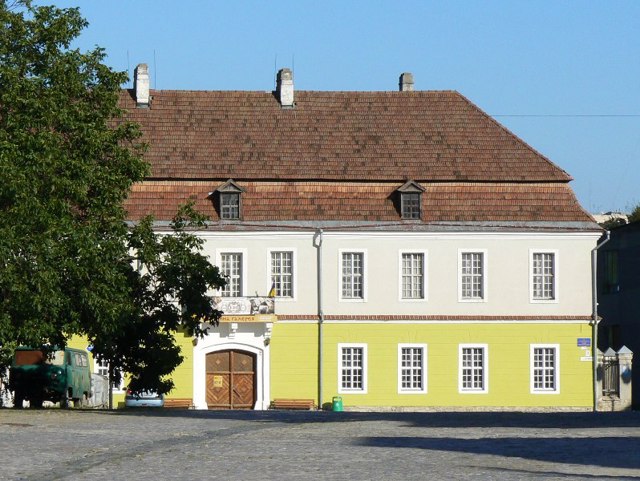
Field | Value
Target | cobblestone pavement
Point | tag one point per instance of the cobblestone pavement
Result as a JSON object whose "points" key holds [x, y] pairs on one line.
{"points": [[53, 444]]}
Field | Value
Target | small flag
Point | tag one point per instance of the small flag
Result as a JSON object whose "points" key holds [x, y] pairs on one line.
{"points": [[272, 292]]}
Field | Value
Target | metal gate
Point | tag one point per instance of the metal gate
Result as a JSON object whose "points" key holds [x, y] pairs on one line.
{"points": [[610, 377]]}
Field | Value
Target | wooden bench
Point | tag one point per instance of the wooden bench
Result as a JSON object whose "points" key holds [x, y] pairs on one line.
{"points": [[293, 404], [181, 403]]}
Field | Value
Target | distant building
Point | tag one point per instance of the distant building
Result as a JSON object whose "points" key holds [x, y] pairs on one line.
{"points": [[619, 294], [421, 255], [611, 216]]}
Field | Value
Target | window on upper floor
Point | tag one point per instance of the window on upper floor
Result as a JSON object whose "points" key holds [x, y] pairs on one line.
{"points": [[472, 281], [473, 368], [231, 267], [410, 200], [412, 276], [229, 200], [544, 276], [611, 279], [544, 369], [352, 278], [282, 273]]}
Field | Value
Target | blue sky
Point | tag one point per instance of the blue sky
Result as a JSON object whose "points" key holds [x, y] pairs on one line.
{"points": [[562, 75]]}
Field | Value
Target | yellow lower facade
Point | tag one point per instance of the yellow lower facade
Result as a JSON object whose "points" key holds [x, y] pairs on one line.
{"points": [[505, 370]]}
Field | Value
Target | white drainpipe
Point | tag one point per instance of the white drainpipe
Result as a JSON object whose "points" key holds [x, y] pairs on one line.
{"points": [[318, 245], [594, 321]]}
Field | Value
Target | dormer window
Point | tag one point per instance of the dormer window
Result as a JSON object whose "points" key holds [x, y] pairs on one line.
{"points": [[229, 205], [410, 200], [229, 200]]}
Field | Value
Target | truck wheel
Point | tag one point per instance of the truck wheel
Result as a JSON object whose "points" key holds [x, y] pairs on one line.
{"points": [[64, 402], [18, 399], [36, 402], [81, 402]]}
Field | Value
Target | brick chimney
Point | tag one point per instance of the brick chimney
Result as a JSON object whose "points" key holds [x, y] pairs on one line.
{"points": [[141, 85], [406, 82], [284, 88]]}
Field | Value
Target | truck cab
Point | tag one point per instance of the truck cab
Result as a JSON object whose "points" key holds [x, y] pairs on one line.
{"points": [[57, 375]]}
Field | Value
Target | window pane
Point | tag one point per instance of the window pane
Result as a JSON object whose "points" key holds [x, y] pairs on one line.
{"points": [[352, 275], [352, 368], [411, 359], [412, 276], [410, 205], [543, 275], [230, 205], [611, 282], [544, 369], [231, 267], [472, 371], [472, 273], [282, 273]]}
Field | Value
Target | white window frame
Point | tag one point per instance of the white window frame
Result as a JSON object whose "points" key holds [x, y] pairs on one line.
{"points": [[423, 389], [245, 263], [99, 366], [365, 283], [294, 272], [556, 271], [425, 285], [342, 390], [485, 369], [556, 348], [485, 275]]}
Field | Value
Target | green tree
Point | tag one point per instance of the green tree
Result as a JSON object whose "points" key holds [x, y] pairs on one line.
{"points": [[635, 214], [68, 260]]}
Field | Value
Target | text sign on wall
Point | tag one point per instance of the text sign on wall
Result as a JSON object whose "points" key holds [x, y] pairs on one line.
{"points": [[244, 306], [584, 342]]}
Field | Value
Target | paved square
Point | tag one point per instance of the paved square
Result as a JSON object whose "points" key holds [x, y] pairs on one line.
{"points": [[52, 444]]}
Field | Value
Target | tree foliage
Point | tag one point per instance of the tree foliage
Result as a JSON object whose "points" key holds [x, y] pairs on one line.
{"points": [[68, 260], [635, 214]]}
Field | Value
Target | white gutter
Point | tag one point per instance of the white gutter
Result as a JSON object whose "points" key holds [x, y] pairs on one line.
{"points": [[595, 320], [318, 245]]}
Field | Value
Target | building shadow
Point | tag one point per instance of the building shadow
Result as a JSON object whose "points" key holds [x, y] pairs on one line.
{"points": [[606, 452]]}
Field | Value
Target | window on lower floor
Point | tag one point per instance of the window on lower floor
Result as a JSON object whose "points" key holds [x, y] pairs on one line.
{"points": [[352, 368], [544, 369], [412, 368], [473, 368], [102, 368]]}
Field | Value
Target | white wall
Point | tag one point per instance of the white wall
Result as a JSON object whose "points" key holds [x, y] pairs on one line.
{"points": [[508, 271]]}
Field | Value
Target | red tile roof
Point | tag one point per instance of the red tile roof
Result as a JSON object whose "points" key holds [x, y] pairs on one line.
{"points": [[323, 201], [372, 136], [341, 156]]}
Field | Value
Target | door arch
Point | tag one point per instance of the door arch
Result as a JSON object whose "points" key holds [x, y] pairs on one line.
{"points": [[231, 379]]}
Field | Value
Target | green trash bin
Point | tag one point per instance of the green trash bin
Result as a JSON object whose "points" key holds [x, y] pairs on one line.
{"points": [[337, 404]]}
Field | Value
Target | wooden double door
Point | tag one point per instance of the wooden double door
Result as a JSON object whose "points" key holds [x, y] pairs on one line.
{"points": [[231, 380]]}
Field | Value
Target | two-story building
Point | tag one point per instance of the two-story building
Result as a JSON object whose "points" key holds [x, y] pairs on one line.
{"points": [[421, 255]]}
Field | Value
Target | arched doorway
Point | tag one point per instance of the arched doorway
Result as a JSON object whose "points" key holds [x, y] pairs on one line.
{"points": [[231, 379]]}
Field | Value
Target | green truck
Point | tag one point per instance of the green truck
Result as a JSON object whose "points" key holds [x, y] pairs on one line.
{"points": [[59, 375]]}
